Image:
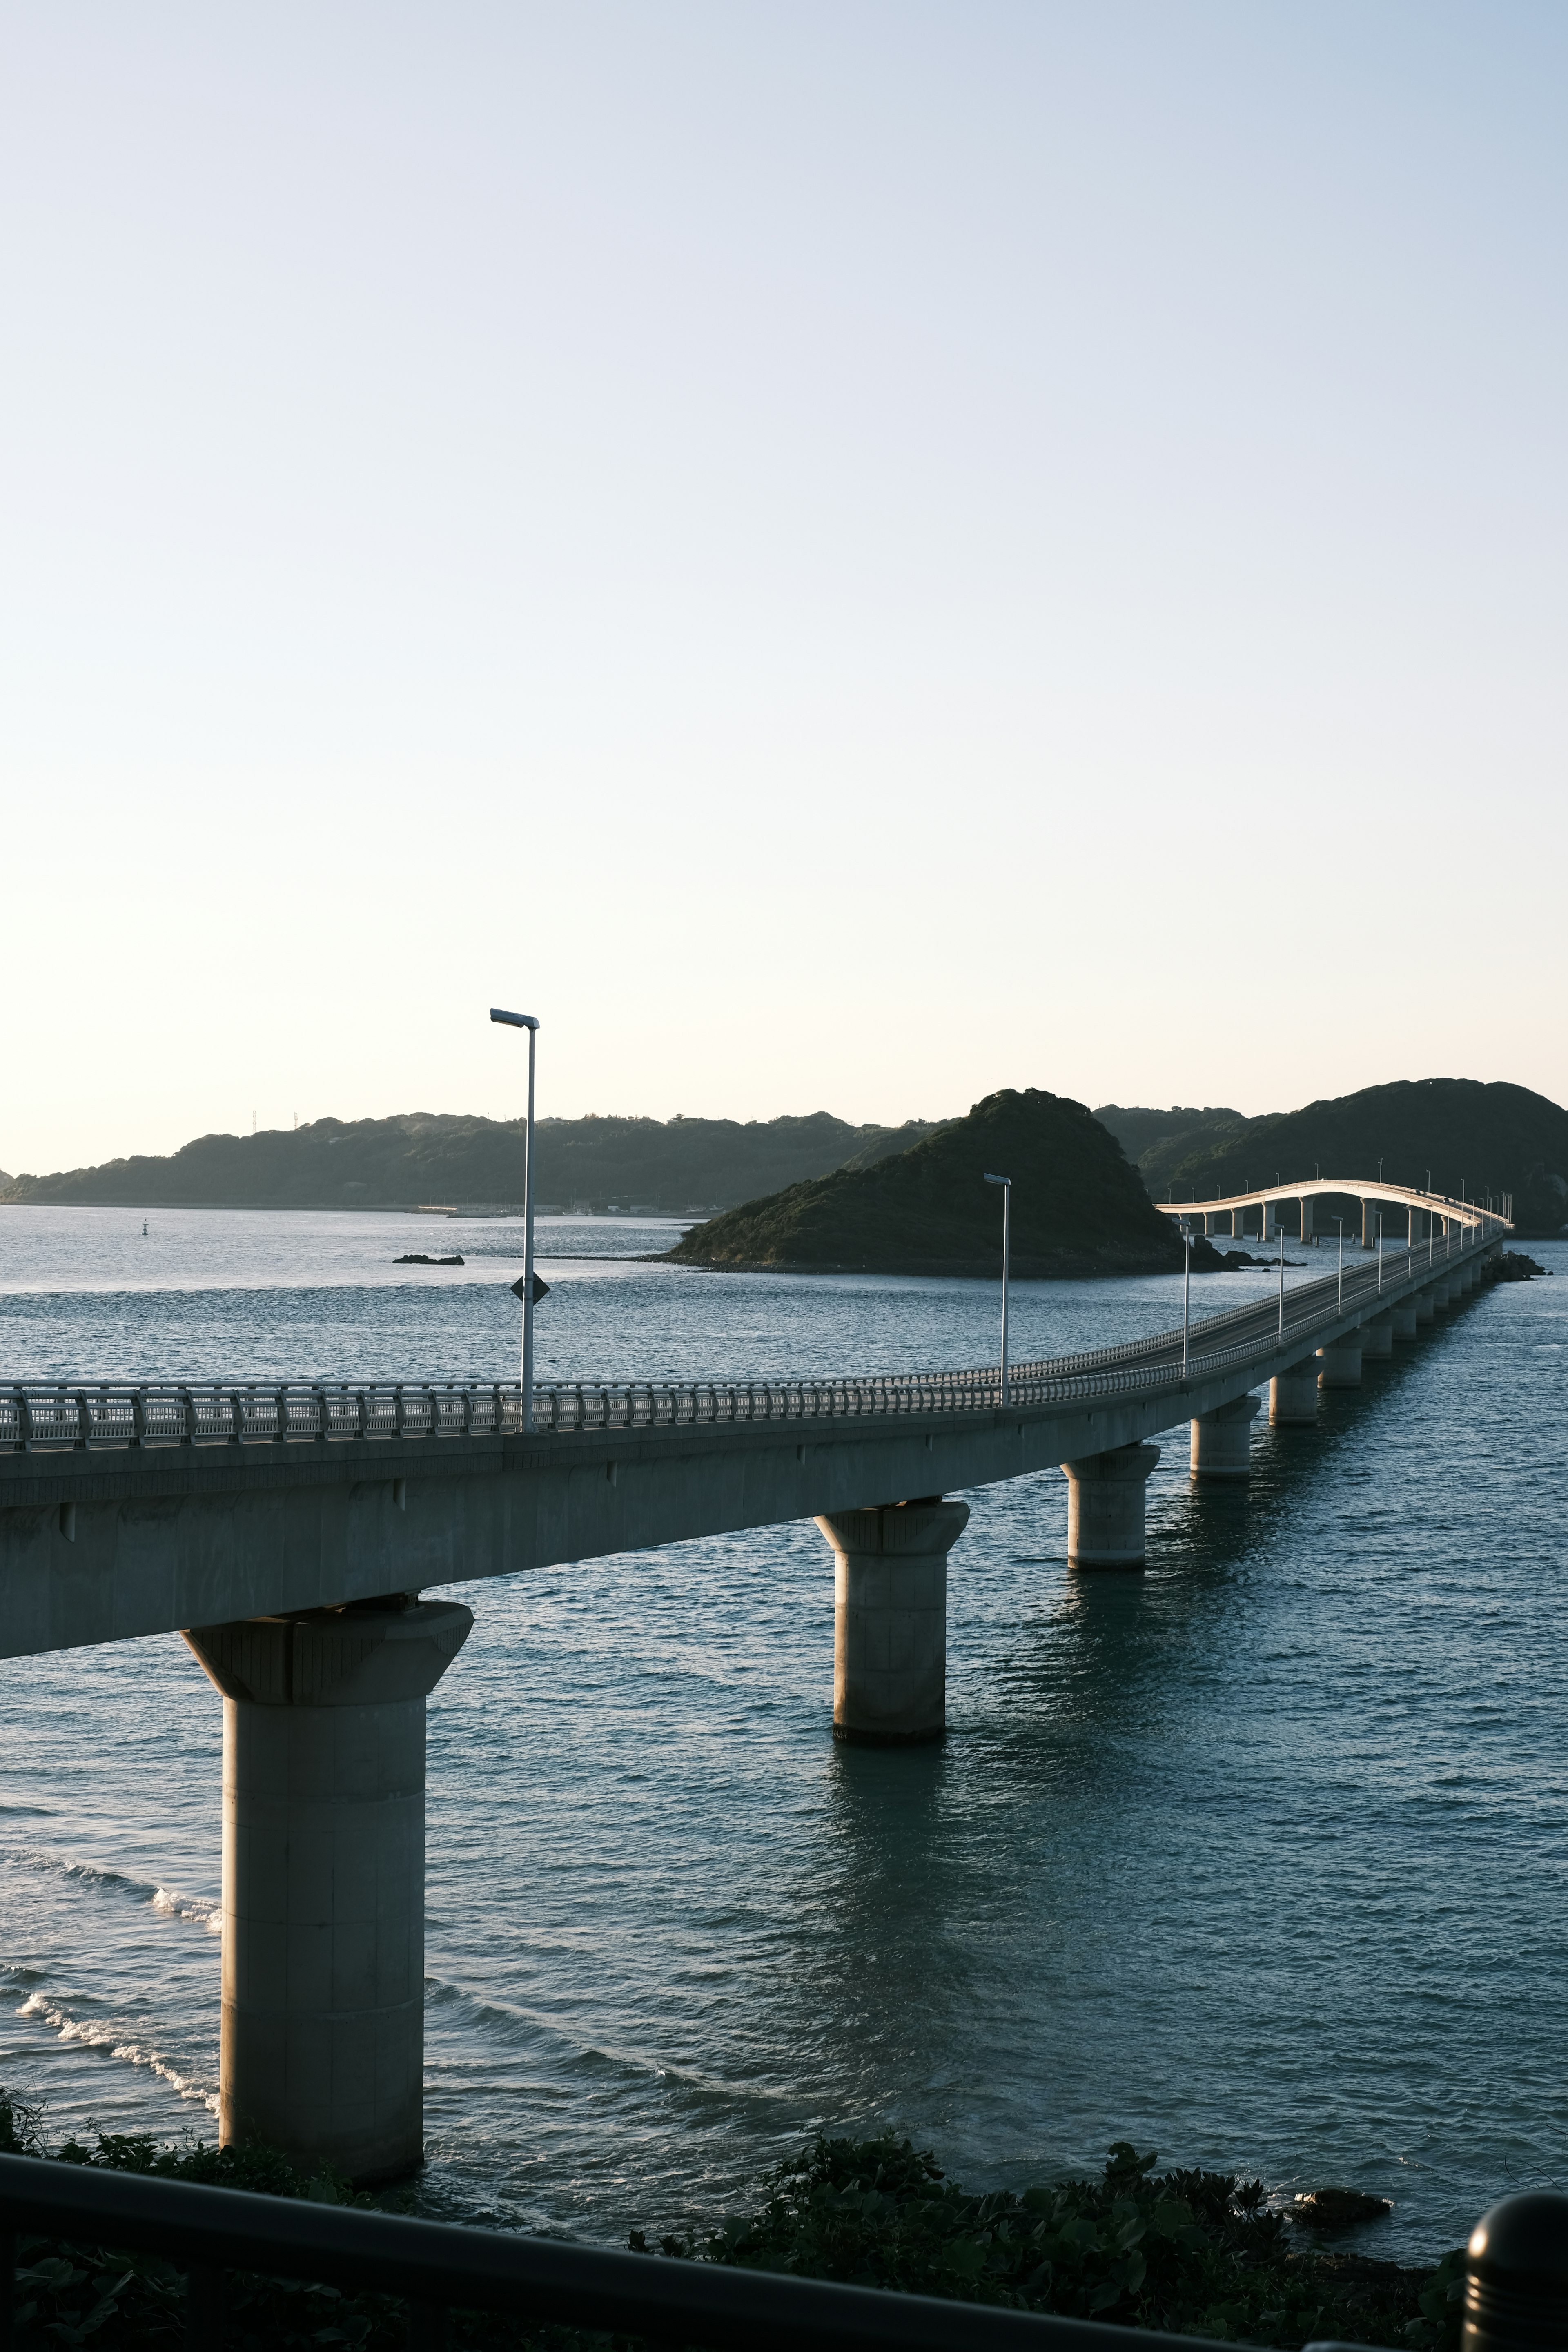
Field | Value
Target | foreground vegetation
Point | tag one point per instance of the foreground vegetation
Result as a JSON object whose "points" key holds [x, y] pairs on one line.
{"points": [[1194, 2252]]}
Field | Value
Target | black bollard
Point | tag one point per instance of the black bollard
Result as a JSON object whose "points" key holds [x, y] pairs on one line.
{"points": [[1516, 2294]]}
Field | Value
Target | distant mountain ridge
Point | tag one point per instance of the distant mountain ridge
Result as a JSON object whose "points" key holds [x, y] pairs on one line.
{"points": [[424, 1157], [1078, 1207]]}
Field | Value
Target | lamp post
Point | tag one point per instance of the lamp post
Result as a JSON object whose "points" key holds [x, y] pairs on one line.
{"points": [[1339, 1299], [1281, 1231], [1186, 1287], [1380, 1253], [1007, 1185], [526, 1021]]}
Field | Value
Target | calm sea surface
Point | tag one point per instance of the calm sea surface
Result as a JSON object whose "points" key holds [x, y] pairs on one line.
{"points": [[1257, 1858]]}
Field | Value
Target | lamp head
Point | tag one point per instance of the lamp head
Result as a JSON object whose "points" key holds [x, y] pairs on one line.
{"points": [[999, 1180], [513, 1020]]}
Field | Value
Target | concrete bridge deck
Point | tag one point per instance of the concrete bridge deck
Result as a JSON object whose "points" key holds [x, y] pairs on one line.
{"points": [[126, 1511]]}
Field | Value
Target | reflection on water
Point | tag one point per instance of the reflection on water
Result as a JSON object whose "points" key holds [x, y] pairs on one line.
{"points": [[1252, 1857]]}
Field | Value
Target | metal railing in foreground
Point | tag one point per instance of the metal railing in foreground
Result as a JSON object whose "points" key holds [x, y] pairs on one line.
{"points": [[438, 2266], [1516, 2297], [89, 1416]]}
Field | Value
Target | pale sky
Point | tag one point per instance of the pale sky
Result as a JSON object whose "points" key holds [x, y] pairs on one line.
{"points": [[844, 555]]}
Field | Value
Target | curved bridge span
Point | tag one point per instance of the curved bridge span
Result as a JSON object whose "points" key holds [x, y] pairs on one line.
{"points": [[1420, 1215], [288, 1531]]}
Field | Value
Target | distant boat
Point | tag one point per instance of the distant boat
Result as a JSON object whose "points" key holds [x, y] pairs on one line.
{"points": [[418, 1257], [144, 1228]]}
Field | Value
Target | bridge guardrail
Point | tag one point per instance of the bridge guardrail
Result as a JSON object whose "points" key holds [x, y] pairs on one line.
{"points": [[109, 1416]]}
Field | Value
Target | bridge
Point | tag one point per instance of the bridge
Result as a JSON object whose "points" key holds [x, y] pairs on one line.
{"points": [[287, 1530], [1421, 1215]]}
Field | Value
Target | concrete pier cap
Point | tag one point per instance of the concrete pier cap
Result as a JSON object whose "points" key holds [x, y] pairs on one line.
{"points": [[1222, 1440], [323, 1877], [890, 1620], [1105, 1507]]}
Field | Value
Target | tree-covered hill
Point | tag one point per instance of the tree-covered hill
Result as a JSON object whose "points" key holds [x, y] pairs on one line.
{"points": [[678, 1164], [1140, 1131], [1078, 1207], [1454, 1134]]}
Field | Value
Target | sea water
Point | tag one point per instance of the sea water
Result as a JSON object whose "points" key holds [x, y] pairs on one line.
{"points": [[1255, 1858]]}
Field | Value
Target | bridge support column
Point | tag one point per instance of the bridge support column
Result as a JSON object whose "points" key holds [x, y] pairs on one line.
{"points": [[1370, 1212], [1293, 1396], [1404, 1320], [1105, 1507], [1339, 1367], [1270, 1220], [1377, 1338], [1238, 1224], [890, 1620], [323, 1877], [1422, 1305], [1222, 1440], [1306, 1219]]}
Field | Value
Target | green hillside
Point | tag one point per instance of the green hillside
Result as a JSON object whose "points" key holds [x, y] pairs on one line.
{"points": [[1140, 1132], [1464, 1135], [680, 1164], [1078, 1207]]}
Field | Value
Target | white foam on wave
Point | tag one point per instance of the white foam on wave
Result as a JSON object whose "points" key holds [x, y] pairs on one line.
{"points": [[93, 2035], [168, 1900], [194, 1907]]}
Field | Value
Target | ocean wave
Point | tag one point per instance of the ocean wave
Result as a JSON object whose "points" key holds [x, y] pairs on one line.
{"points": [[521, 2028], [194, 1907], [93, 2033], [168, 1900]]}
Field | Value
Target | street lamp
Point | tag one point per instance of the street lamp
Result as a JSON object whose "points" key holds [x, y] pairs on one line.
{"points": [[1007, 1185], [1340, 1306], [1380, 1253], [1186, 1287], [526, 1021]]}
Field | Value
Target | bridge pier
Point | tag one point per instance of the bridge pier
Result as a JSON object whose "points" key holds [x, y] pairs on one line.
{"points": [[323, 1877], [1222, 1440], [1423, 1305], [1238, 1224], [1293, 1396], [1105, 1507], [890, 1620], [1369, 1216], [1306, 1206], [1339, 1366], [1377, 1337], [1403, 1319]]}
